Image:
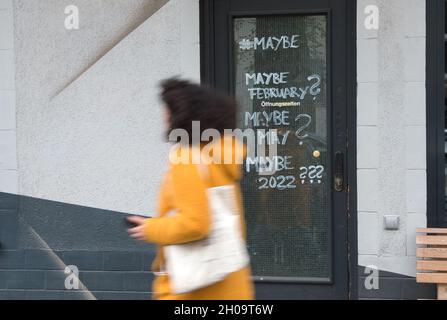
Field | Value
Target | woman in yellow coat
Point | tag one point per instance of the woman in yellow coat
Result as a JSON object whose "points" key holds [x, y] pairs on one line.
{"points": [[184, 189]]}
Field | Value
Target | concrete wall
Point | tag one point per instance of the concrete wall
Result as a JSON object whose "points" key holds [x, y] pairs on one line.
{"points": [[89, 129], [391, 134], [8, 154]]}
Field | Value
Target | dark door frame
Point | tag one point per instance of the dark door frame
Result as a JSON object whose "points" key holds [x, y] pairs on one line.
{"points": [[208, 78], [435, 109]]}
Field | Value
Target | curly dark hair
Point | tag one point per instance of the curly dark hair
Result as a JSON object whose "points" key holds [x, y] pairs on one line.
{"points": [[188, 102]]}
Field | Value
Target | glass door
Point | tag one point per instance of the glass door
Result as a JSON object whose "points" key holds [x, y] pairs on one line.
{"points": [[285, 62]]}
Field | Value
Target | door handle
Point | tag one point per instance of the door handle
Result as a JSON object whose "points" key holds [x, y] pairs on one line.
{"points": [[339, 171]]}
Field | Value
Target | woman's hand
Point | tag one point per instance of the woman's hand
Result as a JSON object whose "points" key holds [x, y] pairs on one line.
{"points": [[137, 232]]}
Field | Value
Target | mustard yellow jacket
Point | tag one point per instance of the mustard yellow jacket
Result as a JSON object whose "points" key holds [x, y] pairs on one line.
{"points": [[183, 189]]}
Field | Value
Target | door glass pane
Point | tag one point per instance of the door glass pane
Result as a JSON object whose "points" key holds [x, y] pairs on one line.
{"points": [[280, 82]]}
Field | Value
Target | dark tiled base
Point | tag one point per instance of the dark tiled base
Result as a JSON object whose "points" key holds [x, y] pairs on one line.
{"points": [[39, 274], [395, 286], [40, 238]]}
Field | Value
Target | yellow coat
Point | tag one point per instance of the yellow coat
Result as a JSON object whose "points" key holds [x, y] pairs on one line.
{"points": [[184, 189]]}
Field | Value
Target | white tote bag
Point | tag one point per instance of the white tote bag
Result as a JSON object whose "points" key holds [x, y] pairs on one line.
{"points": [[198, 264]]}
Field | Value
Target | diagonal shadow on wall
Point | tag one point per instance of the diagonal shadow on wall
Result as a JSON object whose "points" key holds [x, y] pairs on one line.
{"points": [[149, 9]]}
